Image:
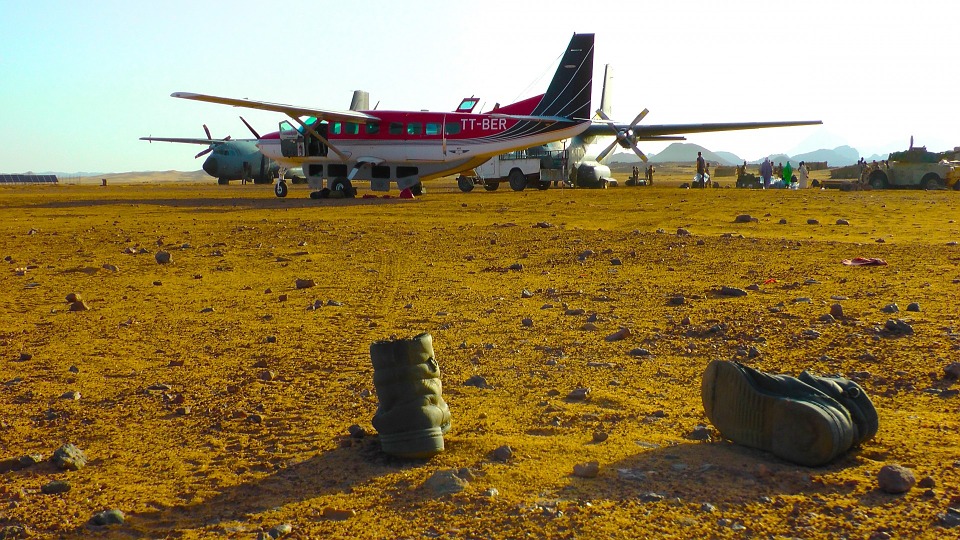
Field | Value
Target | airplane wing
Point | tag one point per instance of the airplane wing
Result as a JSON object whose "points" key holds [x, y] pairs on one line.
{"points": [[677, 129], [188, 140], [295, 112]]}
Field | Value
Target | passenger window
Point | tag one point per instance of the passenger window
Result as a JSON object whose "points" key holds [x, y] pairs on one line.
{"points": [[350, 128], [373, 128], [335, 128], [452, 128], [396, 128], [433, 128], [414, 128]]}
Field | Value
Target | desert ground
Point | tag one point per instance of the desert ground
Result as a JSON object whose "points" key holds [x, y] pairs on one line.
{"points": [[213, 398]]}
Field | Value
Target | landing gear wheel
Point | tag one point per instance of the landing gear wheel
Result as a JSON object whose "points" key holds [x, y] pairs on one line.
{"points": [[223, 181], [345, 186], [280, 189], [465, 184], [518, 182], [491, 186], [417, 189]]}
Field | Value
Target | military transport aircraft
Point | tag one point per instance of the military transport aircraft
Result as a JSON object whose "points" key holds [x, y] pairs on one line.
{"points": [[407, 147]]}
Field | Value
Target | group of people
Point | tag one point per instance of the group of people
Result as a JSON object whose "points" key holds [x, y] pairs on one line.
{"points": [[647, 175], [781, 176]]}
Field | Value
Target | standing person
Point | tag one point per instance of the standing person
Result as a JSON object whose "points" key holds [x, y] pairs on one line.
{"points": [[787, 174], [650, 170], [706, 175], [701, 168], [766, 172], [803, 175]]}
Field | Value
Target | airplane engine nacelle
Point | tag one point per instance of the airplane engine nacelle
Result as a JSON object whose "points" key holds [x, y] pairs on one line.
{"points": [[591, 174]]}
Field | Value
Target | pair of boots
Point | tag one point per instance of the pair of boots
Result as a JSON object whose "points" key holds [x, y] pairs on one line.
{"points": [[808, 420], [412, 417]]}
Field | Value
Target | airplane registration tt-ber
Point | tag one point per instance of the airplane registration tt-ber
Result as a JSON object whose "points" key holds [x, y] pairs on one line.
{"points": [[407, 147]]}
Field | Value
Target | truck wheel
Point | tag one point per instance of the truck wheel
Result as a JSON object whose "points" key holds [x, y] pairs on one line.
{"points": [[518, 182], [490, 185], [878, 180], [465, 184], [931, 181]]}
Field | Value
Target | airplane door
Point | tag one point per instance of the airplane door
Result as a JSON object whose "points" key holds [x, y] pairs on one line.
{"points": [[291, 141]]}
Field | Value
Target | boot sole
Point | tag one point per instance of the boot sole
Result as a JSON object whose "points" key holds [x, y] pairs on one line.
{"points": [[418, 444], [802, 432]]}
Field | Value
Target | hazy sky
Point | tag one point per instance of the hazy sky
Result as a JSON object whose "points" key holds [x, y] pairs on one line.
{"points": [[80, 82]]}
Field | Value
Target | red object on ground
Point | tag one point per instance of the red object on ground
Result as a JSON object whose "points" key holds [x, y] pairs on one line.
{"points": [[865, 261], [407, 194], [769, 281]]}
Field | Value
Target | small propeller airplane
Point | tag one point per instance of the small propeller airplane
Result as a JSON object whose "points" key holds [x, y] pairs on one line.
{"points": [[407, 147]]}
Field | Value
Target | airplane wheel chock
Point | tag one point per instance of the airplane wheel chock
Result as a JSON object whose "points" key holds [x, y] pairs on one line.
{"points": [[280, 189]]}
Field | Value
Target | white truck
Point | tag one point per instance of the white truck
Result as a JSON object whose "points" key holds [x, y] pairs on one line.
{"points": [[533, 167]]}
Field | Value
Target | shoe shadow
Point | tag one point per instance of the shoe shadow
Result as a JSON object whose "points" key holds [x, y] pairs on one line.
{"points": [[714, 472], [332, 472]]}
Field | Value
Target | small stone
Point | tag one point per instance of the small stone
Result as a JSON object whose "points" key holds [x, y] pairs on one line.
{"points": [[589, 327], [651, 497], [950, 518], [72, 395], [639, 352], [590, 469], [952, 371], [842, 222], [574, 312], [79, 306], [753, 287], [69, 458], [890, 308], [445, 482], [108, 517], [286, 528], [731, 291], [110, 268], [271, 339], [836, 311], [677, 300], [24, 357], [927, 482], [700, 433], [898, 327], [526, 294], [334, 303], [914, 307], [73, 297], [895, 479], [516, 267], [267, 375], [783, 221], [745, 218], [812, 221], [476, 381], [620, 334], [526, 321], [682, 232], [503, 453], [304, 283], [491, 492], [600, 436], [579, 394], [163, 257], [827, 318], [207, 309], [56, 486]]}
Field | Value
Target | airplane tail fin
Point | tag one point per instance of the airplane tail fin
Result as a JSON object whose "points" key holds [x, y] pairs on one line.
{"points": [[606, 98], [569, 93]]}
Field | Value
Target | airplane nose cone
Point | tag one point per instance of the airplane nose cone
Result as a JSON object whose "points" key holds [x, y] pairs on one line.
{"points": [[210, 166]]}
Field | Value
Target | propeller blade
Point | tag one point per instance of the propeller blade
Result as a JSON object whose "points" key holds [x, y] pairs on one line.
{"points": [[207, 151], [603, 116], [207, 131], [640, 117], [255, 134], [227, 138], [639, 154], [607, 150]]}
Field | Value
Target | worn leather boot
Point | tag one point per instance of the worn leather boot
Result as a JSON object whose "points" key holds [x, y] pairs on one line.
{"points": [[776, 413], [412, 416], [853, 398]]}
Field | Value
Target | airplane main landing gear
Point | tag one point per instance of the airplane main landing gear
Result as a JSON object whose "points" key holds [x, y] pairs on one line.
{"points": [[280, 189]]}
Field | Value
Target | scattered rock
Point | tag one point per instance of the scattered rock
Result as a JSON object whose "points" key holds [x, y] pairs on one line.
{"points": [[526, 321], [600, 436], [20, 463], [842, 222], [336, 514], [745, 218], [676, 300], [952, 371], [74, 297], [914, 307], [503, 453], [950, 518], [285, 528], [445, 482], [615, 262], [700, 433], [622, 333], [108, 517], [731, 291], [526, 294], [890, 308], [783, 221], [79, 306], [895, 479], [69, 458], [682, 232], [477, 381], [651, 497], [24, 357], [639, 352], [827, 318], [305, 283], [898, 327], [72, 395], [589, 327], [271, 339], [579, 394], [574, 312], [812, 221], [836, 311], [163, 257], [927, 482], [56, 486], [590, 469], [207, 309]]}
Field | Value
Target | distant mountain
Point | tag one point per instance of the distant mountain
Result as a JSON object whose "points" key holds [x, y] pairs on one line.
{"points": [[687, 152], [840, 156]]}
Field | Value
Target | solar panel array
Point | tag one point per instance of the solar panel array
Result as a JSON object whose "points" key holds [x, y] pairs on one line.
{"points": [[28, 179]]}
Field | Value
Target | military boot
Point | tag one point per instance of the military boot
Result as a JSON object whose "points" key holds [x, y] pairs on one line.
{"points": [[412, 416], [776, 413], [853, 398]]}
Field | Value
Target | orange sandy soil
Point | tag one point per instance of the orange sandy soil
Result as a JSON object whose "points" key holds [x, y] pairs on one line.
{"points": [[248, 451]]}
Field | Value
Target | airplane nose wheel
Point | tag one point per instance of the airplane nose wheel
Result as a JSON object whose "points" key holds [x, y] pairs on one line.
{"points": [[280, 189]]}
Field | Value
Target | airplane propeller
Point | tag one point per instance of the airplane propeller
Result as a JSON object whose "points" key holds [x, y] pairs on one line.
{"points": [[210, 149], [625, 137]]}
